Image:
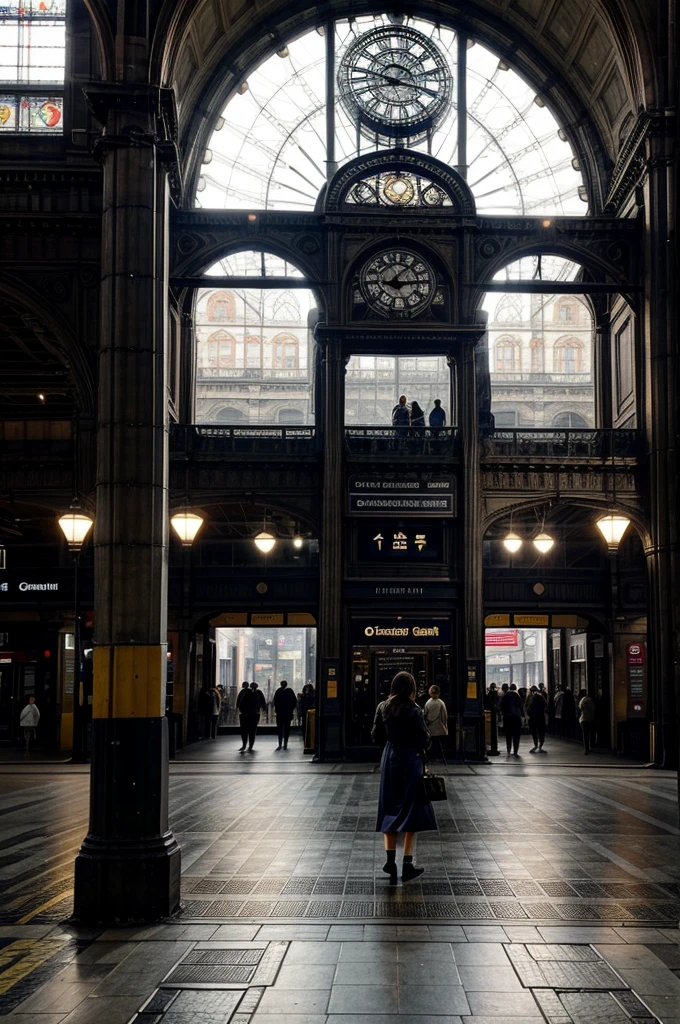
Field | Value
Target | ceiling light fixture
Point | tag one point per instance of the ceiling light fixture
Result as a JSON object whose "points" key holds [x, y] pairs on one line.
{"points": [[612, 528], [186, 525], [543, 542]]}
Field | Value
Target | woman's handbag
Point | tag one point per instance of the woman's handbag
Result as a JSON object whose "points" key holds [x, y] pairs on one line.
{"points": [[432, 788]]}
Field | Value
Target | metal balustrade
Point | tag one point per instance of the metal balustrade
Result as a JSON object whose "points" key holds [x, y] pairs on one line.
{"points": [[216, 439], [570, 443], [433, 442]]}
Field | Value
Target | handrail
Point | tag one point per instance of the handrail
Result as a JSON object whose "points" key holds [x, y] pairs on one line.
{"points": [[605, 442]]}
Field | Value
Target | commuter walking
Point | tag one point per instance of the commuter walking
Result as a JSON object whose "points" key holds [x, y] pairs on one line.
{"points": [[437, 417], [248, 711], [436, 718], [536, 708], [28, 721], [586, 707], [215, 709], [399, 725], [511, 709], [285, 703], [401, 417], [260, 697]]}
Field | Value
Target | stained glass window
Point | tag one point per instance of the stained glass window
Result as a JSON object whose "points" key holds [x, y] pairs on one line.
{"points": [[397, 189], [268, 150], [32, 46]]}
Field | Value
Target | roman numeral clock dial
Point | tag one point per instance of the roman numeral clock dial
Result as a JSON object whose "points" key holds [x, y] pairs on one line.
{"points": [[397, 283], [395, 83]]}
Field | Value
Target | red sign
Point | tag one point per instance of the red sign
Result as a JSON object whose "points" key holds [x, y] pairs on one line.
{"points": [[501, 638], [635, 654]]}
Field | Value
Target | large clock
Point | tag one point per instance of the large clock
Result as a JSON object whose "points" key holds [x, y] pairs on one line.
{"points": [[394, 81], [397, 283]]}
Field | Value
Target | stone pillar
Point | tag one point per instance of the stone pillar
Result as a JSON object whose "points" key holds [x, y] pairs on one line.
{"points": [[128, 867], [662, 428], [329, 656]]}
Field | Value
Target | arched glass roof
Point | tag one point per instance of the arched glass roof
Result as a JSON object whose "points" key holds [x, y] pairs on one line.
{"points": [[268, 150]]}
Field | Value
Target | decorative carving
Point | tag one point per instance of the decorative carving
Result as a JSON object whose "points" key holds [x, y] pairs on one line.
{"points": [[400, 160], [630, 165]]}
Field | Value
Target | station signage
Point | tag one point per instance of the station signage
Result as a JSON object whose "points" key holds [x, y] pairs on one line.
{"points": [[424, 632], [406, 542], [424, 496]]}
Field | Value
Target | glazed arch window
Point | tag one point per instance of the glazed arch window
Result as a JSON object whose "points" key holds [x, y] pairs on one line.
{"points": [[566, 311], [286, 352], [221, 308], [32, 58], [507, 356], [568, 356], [269, 148], [247, 340]]}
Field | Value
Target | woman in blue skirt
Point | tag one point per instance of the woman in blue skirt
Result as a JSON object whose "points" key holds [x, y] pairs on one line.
{"points": [[401, 807]]}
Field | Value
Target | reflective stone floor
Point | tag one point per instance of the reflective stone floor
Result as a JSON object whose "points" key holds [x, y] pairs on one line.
{"points": [[549, 894]]}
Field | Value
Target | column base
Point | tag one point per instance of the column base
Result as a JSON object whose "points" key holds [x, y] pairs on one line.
{"points": [[125, 882]]}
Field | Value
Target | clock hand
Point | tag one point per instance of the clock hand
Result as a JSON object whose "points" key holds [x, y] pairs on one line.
{"points": [[397, 81]]}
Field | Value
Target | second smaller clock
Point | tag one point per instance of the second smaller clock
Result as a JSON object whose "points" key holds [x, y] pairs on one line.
{"points": [[397, 283]]}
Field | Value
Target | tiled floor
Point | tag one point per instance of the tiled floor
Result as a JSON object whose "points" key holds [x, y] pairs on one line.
{"points": [[547, 895]]}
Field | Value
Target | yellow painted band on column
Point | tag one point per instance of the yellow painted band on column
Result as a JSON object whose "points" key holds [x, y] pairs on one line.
{"points": [[129, 681]]}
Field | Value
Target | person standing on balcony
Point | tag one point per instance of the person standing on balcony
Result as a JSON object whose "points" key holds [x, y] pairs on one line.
{"points": [[417, 419], [401, 417], [437, 417]]}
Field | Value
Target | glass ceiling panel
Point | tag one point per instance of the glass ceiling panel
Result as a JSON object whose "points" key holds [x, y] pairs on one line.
{"points": [[253, 264], [539, 268], [268, 150]]}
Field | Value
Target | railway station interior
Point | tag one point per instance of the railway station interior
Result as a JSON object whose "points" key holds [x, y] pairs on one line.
{"points": [[338, 341]]}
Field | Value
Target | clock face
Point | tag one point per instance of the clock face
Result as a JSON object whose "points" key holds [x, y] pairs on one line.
{"points": [[394, 81], [397, 283]]}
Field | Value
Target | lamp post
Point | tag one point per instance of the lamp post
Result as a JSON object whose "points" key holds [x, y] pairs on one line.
{"points": [[75, 526], [186, 525]]}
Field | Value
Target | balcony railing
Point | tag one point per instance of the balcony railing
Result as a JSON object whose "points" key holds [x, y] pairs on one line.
{"points": [[217, 440], [266, 373], [563, 443], [500, 378], [401, 441]]}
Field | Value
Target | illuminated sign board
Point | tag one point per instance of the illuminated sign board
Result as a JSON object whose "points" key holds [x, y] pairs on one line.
{"points": [[402, 632], [429, 496], [385, 541]]}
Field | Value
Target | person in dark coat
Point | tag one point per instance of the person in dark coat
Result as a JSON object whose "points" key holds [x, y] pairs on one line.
{"points": [[399, 725], [401, 417], [536, 708], [285, 703], [417, 419], [512, 710], [306, 704], [249, 714]]}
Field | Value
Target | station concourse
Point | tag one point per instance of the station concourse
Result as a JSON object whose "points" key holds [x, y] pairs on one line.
{"points": [[337, 341]]}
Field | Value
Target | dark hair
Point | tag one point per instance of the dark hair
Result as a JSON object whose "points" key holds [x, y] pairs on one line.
{"points": [[415, 408], [402, 690]]}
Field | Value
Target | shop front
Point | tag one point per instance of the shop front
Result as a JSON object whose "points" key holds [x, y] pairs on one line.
{"points": [[420, 644]]}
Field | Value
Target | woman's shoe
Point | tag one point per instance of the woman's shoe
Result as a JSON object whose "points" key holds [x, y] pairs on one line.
{"points": [[391, 870], [408, 872]]}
